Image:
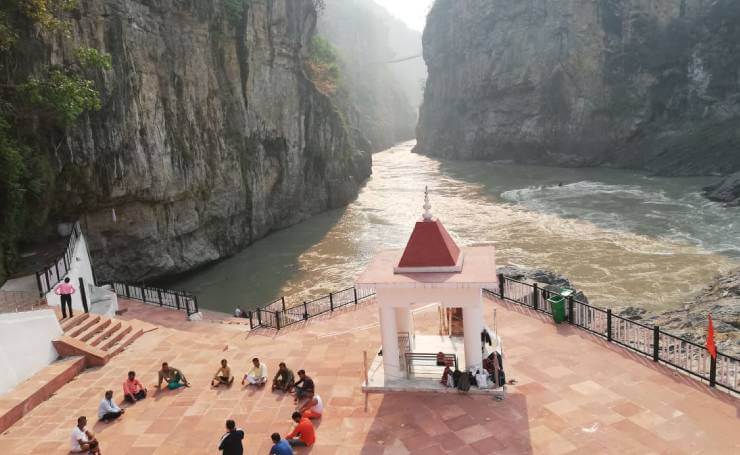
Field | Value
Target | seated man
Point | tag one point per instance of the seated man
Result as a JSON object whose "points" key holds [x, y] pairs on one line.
{"points": [[108, 410], [303, 435], [257, 375], [84, 441], [223, 375], [312, 408], [304, 387], [172, 376], [280, 446], [284, 379], [133, 390]]}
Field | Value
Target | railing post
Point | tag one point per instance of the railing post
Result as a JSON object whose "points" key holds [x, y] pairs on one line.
{"points": [[177, 301], [712, 371], [283, 300], [331, 302], [159, 296], [608, 324], [195, 302], [259, 317], [536, 295], [46, 276], [305, 311], [83, 296], [501, 285], [571, 317], [355, 291], [56, 266], [38, 283], [656, 341], [277, 319]]}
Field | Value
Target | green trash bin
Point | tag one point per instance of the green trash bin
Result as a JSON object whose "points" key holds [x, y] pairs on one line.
{"points": [[557, 303]]}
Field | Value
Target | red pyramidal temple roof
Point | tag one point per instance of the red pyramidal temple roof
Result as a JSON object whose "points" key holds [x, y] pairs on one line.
{"points": [[430, 245]]}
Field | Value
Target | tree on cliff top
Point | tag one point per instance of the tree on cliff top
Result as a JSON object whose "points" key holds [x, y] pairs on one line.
{"points": [[34, 104]]}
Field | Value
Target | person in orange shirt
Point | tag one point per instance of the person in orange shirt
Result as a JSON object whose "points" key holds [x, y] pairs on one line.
{"points": [[303, 435], [133, 390]]}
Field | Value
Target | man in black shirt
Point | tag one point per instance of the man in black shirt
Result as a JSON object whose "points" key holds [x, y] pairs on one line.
{"points": [[231, 442], [303, 388]]}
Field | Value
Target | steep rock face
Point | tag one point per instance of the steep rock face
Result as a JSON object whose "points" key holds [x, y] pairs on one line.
{"points": [[209, 137], [643, 84], [374, 101], [727, 190]]}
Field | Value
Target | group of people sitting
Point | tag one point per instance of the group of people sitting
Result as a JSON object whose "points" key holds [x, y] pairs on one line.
{"points": [[309, 406], [84, 441]]}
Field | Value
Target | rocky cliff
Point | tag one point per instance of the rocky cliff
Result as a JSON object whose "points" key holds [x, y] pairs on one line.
{"points": [[209, 137], [640, 84], [376, 103]]}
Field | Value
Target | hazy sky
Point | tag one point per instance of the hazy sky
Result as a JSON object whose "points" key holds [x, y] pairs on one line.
{"points": [[412, 12]]}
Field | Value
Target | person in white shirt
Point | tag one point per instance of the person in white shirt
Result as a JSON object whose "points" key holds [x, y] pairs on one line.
{"points": [[313, 408], [108, 410], [82, 440], [257, 375]]}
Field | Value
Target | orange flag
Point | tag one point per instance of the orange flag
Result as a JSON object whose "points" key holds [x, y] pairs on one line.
{"points": [[711, 347]]}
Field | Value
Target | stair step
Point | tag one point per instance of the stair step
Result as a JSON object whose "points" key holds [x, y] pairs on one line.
{"points": [[116, 349], [73, 321], [106, 333], [86, 324], [116, 337], [94, 330]]}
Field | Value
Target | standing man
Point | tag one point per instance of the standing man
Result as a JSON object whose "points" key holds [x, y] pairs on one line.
{"points": [[65, 290], [231, 442], [82, 440], [108, 410]]}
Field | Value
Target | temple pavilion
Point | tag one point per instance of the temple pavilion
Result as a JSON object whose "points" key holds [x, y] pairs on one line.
{"points": [[432, 271]]}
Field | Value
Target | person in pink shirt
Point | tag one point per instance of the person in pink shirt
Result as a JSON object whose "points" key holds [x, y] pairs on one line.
{"points": [[65, 291], [133, 391]]}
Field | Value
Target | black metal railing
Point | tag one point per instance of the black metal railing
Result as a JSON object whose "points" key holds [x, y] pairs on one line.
{"points": [[179, 300], [282, 313], [426, 365], [52, 274], [653, 342]]}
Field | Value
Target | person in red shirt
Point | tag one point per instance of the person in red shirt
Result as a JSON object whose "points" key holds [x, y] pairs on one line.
{"points": [[133, 391], [303, 435]]}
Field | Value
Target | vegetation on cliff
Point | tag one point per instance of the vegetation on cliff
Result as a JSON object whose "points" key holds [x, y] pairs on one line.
{"points": [[375, 101], [35, 103]]}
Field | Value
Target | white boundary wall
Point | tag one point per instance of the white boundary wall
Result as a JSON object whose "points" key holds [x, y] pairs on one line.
{"points": [[25, 345], [81, 267]]}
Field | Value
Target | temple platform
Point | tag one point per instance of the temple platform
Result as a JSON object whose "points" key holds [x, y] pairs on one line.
{"points": [[574, 394]]}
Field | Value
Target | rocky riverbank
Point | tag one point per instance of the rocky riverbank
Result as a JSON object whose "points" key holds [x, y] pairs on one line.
{"points": [[721, 298], [727, 190]]}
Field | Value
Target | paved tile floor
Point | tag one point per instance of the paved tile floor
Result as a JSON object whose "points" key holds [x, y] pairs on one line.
{"points": [[574, 394]]}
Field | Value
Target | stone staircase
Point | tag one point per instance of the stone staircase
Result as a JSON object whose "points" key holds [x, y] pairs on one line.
{"points": [[96, 337]]}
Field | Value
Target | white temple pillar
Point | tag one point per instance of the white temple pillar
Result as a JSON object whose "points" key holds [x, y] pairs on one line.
{"points": [[405, 324], [472, 327], [389, 338]]}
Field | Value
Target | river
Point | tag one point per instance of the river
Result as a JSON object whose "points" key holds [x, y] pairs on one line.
{"points": [[623, 237]]}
